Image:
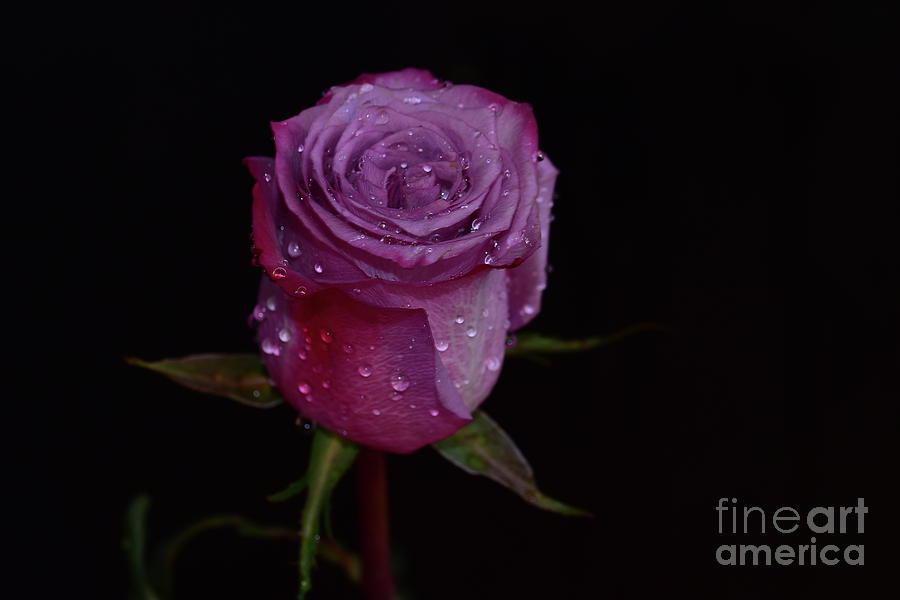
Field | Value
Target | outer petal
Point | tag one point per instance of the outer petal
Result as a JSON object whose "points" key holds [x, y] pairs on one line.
{"points": [[410, 77], [517, 134], [468, 320], [370, 373], [528, 280], [297, 274]]}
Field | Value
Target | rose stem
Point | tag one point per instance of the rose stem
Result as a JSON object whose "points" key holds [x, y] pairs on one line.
{"points": [[371, 485]]}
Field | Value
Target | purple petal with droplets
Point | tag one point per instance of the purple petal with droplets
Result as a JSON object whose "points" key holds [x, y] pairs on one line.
{"points": [[326, 386], [527, 281]]}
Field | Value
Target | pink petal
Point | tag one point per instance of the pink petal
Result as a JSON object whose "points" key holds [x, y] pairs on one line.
{"points": [[468, 322], [527, 281], [410, 77], [370, 373]]}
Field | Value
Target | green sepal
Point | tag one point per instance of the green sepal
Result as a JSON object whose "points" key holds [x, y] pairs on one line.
{"points": [[330, 457], [483, 448], [239, 377], [530, 344]]}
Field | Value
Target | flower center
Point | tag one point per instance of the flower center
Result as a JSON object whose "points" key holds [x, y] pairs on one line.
{"points": [[407, 170]]}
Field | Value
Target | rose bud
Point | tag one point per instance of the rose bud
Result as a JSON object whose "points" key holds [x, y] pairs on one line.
{"points": [[403, 226]]}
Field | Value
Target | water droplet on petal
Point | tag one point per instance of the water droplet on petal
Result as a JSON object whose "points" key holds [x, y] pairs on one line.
{"points": [[492, 363], [434, 412], [284, 335], [365, 88], [304, 387], [471, 332], [427, 168], [365, 370], [318, 268], [259, 313], [269, 347], [459, 319], [326, 384], [399, 381], [279, 273], [528, 309], [300, 291], [376, 412], [293, 249], [441, 345], [300, 148], [301, 355], [267, 177], [347, 348], [327, 335]]}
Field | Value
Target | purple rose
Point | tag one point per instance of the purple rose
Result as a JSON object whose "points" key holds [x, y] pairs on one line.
{"points": [[403, 226]]}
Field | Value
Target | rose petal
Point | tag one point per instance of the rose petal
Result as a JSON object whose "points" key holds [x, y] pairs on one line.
{"points": [[369, 373], [410, 77], [316, 265], [528, 280], [468, 321]]}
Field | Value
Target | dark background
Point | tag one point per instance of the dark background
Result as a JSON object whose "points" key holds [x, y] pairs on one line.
{"points": [[727, 171]]}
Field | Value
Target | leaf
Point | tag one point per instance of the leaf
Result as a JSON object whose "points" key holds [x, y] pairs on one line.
{"points": [[239, 377], [482, 448], [134, 543], [146, 581], [290, 491], [329, 459], [534, 343], [244, 527]]}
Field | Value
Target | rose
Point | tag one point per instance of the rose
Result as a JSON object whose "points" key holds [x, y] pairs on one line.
{"points": [[403, 227]]}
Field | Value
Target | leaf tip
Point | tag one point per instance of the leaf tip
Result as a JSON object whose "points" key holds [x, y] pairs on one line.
{"points": [[135, 361]]}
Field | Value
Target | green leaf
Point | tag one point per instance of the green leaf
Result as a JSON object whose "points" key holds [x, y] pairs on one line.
{"points": [[134, 543], [535, 344], [482, 448], [239, 377], [243, 526], [157, 582], [329, 459], [290, 491]]}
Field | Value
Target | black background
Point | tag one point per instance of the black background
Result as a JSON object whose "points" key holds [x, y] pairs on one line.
{"points": [[727, 171]]}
